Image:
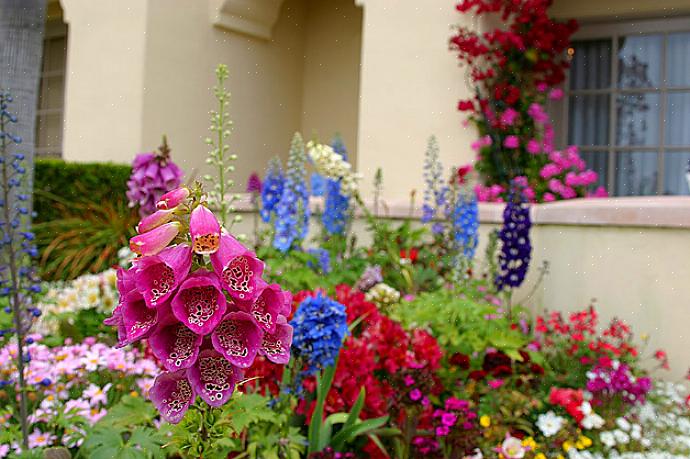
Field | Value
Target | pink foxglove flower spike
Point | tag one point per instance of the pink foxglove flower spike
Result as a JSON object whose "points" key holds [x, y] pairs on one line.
{"points": [[276, 346], [139, 320], [237, 338], [158, 276], [173, 198], [200, 303], [172, 393], [238, 268], [267, 306], [154, 241], [213, 378], [205, 231], [175, 345], [156, 219]]}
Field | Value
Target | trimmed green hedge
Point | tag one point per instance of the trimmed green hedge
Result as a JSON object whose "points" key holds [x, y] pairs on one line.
{"points": [[96, 182]]}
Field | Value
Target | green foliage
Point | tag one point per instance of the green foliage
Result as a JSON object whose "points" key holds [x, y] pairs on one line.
{"points": [[72, 182], [127, 431]]}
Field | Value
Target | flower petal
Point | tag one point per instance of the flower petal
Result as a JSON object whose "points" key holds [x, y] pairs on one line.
{"points": [[158, 276], [213, 378], [267, 306], [175, 345], [154, 220], [238, 268], [172, 394], [237, 338], [200, 303], [139, 320], [205, 231], [154, 241], [173, 198], [276, 346]]}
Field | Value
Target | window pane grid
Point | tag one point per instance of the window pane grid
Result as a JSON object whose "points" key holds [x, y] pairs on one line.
{"points": [[647, 86]]}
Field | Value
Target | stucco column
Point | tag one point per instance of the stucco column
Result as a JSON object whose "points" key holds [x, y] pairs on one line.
{"points": [[105, 79], [409, 85]]}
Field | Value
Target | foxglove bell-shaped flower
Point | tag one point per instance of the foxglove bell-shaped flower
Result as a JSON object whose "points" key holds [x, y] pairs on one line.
{"points": [[158, 276], [238, 268], [213, 377], [154, 241], [267, 306], [139, 320], [276, 345], [205, 231], [237, 338], [173, 198], [200, 303], [117, 320], [172, 393], [125, 281], [175, 345], [156, 219]]}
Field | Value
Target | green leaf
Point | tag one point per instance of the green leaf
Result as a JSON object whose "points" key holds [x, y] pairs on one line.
{"points": [[362, 427]]}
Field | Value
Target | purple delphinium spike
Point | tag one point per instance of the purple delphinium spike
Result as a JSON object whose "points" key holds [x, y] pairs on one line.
{"points": [[238, 268], [237, 338], [172, 393], [200, 303], [213, 377], [175, 345], [276, 346], [158, 276]]}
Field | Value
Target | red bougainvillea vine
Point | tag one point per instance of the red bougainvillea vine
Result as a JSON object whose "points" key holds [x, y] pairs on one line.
{"points": [[513, 70]]}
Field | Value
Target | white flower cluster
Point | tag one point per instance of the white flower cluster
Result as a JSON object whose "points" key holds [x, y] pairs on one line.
{"points": [[625, 433], [591, 419], [665, 418], [550, 423], [91, 291], [332, 165], [383, 295]]}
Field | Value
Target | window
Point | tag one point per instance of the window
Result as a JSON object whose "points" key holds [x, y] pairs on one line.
{"points": [[49, 114], [628, 105]]}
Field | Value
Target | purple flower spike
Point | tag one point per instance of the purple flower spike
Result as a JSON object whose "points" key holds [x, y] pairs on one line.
{"points": [[153, 174], [276, 346], [237, 338], [175, 345], [172, 394], [238, 269], [200, 303], [154, 241], [268, 304], [158, 276], [213, 378], [139, 320], [205, 231]]}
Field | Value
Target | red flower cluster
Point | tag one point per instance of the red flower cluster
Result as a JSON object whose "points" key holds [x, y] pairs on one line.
{"points": [[570, 399]]}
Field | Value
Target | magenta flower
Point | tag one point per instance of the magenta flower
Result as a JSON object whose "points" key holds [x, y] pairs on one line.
{"points": [[205, 231], [173, 198], [153, 174], [139, 320], [511, 141], [117, 320], [533, 146], [175, 345], [237, 338], [158, 276], [156, 219], [275, 346], [213, 378], [254, 184], [172, 394], [267, 306], [154, 241], [509, 116], [200, 303], [238, 268]]}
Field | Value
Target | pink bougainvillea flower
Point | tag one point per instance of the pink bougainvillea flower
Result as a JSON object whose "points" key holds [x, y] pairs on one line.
{"points": [[173, 198], [156, 219], [268, 304], [213, 377], [200, 303], [154, 241], [139, 320], [175, 345], [237, 338], [556, 94], [276, 345], [511, 141], [172, 393], [158, 276], [238, 268], [533, 147], [205, 231]]}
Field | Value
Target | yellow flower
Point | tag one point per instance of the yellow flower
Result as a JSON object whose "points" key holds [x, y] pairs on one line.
{"points": [[485, 421], [585, 441], [560, 456], [134, 394], [529, 442], [567, 445], [540, 456]]}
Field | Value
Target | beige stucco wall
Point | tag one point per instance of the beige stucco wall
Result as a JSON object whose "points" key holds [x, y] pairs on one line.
{"points": [[410, 85], [330, 102], [613, 10], [104, 89]]}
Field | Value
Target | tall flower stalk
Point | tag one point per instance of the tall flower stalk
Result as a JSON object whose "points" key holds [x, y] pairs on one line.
{"points": [[17, 281], [435, 193], [220, 156], [336, 213]]}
